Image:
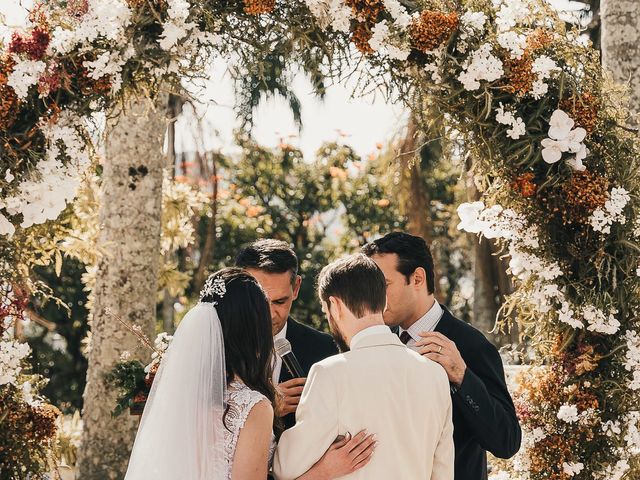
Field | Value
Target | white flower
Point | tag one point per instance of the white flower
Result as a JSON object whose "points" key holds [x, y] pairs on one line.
{"points": [[612, 212], [568, 413], [178, 10], [331, 12], [539, 89], [511, 13], [551, 151], [473, 20], [572, 469], [560, 125], [173, 32], [12, 353], [481, 65], [341, 16], [380, 32], [564, 138], [25, 74], [599, 322], [400, 16], [518, 128], [469, 214], [402, 53], [566, 315], [6, 227], [514, 42], [544, 66], [8, 176]]}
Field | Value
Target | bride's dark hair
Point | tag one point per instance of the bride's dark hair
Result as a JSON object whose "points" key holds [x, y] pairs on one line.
{"points": [[246, 327]]}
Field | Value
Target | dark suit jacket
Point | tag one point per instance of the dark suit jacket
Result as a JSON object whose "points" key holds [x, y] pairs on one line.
{"points": [[309, 346], [484, 418]]}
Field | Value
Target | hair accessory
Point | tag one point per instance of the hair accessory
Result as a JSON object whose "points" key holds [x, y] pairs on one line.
{"points": [[213, 287]]}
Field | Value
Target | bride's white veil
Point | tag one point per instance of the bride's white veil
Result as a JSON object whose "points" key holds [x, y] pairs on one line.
{"points": [[181, 432]]}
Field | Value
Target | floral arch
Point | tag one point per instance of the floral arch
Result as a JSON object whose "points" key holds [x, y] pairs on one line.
{"points": [[543, 122]]}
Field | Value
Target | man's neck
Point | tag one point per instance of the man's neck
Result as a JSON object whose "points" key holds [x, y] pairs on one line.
{"points": [[420, 312], [364, 323]]}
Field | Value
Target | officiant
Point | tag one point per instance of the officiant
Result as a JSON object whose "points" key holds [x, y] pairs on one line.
{"points": [[275, 265]]}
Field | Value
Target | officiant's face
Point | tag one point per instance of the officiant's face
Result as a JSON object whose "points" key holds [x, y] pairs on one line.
{"points": [[401, 296], [281, 292]]}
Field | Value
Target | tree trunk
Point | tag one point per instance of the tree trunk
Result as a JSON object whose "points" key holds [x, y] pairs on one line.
{"points": [[621, 46], [417, 204], [206, 255], [126, 283]]}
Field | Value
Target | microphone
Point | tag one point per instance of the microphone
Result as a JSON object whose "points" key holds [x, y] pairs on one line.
{"points": [[283, 350]]}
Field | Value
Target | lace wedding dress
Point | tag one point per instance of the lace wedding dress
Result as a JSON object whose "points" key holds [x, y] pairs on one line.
{"points": [[240, 399]]}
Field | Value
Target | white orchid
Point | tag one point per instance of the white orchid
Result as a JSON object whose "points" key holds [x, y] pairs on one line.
{"points": [[469, 214], [564, 138], [560, 125]]}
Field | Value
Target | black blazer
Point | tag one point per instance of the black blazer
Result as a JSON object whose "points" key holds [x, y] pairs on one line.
{"points": [[484, 418], [309, 346]]}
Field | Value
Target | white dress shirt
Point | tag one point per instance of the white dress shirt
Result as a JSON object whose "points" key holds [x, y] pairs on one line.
{"points": [[426, 323], [277, 361]]}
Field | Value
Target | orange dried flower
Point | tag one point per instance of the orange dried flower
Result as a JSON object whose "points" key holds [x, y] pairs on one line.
{"points": [[9, 102], [259, 7], [583, 109], [525, 185], [518, 74], [360, 35], [366, 11], [432, 29], [539, 39], [585, 192]]}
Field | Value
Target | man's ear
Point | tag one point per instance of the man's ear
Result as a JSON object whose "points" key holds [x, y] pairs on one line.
{"points": [[335, 306], [296, 286], [419, 277]]}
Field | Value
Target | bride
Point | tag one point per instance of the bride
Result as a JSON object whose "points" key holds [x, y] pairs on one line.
{"points": [[209, 415]]}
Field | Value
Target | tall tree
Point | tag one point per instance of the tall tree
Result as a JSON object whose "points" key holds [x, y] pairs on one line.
{"points": [[621, 46], [126, 283]]}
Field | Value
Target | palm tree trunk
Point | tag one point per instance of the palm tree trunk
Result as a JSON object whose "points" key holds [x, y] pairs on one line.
{"points": [[126, 283]]}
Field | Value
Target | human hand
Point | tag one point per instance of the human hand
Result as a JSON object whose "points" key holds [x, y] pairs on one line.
{"points": [[440, 349], [345, 456], [288, 397]]}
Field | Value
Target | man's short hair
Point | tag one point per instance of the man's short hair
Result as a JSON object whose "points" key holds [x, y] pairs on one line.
{"points": [[357, 281], [412, 252], [269, 255]]}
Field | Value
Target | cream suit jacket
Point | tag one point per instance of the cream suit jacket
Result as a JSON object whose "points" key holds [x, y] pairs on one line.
{"points": [[386, 388]]}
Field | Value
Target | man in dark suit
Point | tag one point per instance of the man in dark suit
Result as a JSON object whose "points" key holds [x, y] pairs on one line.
{"points": [[275, 265], [484, 417]]}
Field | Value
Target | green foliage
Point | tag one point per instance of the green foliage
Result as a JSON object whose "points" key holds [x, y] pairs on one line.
{"points": [[57, 353], [128, 379], [323, 208]]}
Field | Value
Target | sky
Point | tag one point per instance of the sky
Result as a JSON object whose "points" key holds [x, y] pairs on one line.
{"points": [[360, 122]]}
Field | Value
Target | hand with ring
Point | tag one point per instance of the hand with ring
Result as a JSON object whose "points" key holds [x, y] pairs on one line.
{"points": [[437, 347]]}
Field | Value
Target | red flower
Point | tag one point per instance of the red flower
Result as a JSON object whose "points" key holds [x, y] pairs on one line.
{"points": [[34, 46]]}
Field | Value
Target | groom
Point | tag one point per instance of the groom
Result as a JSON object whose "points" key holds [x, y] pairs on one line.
{"points": [[379, 385]]}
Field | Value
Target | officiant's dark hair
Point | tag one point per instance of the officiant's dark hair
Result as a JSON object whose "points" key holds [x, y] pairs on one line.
{"points": [[412, 251], [357, 281], [246, 329], [269, 255]]}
